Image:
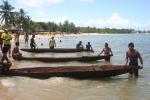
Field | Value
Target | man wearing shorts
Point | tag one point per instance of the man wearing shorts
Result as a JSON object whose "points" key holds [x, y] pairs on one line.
{"points": [[7, 45]]}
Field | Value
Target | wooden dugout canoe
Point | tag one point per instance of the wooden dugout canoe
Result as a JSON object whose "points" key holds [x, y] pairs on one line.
{"points": [[96, 71], [56, 50], [4, 67], [64, 59]]}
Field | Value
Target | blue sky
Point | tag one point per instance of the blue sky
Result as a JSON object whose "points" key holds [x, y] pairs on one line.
{"points": [[96, 13]]}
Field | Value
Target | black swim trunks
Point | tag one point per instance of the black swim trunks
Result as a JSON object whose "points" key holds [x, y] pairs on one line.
{"points": [[6, 48]]}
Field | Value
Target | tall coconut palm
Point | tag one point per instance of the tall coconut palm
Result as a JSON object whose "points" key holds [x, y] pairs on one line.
{"points": [[24, 20], [6, 13], [18, 18], [21, 20]]}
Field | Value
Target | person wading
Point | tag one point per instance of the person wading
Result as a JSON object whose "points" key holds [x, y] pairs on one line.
{"points": [[26, 37], [52, 43], [79, 46], [133, 55], [107, 51], [89, 47], [32, 42]]}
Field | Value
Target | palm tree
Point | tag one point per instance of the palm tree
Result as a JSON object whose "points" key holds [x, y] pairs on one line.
{"points": [[21, 20], [6, 13], [26, 23]]}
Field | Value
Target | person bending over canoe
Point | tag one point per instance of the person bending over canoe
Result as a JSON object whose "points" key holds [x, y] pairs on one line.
{"points": [[89, 47], [52, 43], [32, 43], [79, 46], [15, 52], [133, 56], [107, 51]]}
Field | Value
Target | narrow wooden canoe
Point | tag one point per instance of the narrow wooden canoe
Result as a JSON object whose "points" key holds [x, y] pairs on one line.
{"points": [[4, 67], [63, 59], [96, 71], [56, 50]]}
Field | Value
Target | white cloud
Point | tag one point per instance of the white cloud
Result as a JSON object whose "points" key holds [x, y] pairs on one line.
{"points": [[115, 21], [37, 3], [62, 19], [57, 20], [41, 19], [29, 3], [89, 1], [54, 1]]}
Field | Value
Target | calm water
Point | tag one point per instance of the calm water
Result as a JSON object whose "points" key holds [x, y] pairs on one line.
{"points": [[120, 87]]}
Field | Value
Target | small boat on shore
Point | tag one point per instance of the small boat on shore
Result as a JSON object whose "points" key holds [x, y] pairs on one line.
{"points": [[56, 50], [64, 59], [94, 71]]}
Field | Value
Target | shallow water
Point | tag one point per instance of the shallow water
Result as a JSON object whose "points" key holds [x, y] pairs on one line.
{"points": [[121, 87]]}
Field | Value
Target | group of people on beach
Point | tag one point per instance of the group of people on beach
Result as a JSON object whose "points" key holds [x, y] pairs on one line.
{"points": [[5, 44], [132, 55]]}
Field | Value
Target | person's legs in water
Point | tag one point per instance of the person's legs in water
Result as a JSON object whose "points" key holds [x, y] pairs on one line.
{"points": [[34, 46], [134, 71]]}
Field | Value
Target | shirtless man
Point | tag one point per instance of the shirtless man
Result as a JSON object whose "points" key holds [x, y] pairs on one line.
{"points": [[107, 51], [133, 56]]}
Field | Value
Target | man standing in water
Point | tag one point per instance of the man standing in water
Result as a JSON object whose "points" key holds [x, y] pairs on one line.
{"points": [[32, 42], [133, 56], [52, 43], [107, 51], [89, 47], [26, 37], [79, 46]]}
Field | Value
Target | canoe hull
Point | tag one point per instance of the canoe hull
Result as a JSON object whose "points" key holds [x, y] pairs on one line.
{"points": [[64, 59], [4, 67], [72, 71], [56, 50]]}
